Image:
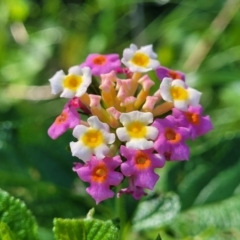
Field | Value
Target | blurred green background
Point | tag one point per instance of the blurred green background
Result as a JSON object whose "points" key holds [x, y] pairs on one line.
{"points": [[39, 37]]}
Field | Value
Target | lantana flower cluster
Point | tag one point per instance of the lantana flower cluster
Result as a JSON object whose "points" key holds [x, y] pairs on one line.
{"points": [[133, 125]]}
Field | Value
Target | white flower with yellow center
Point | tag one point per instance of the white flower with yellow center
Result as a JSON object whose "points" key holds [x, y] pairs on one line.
{"points": [[140, 60], [179, 94], [73, 84], [92, 140], [135, 130]]}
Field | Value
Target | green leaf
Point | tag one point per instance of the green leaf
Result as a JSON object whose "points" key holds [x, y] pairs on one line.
{"points": [[15, 214], [223, 216], [66, 229], [220, 187], [5, 232], [156, 212], [84, 229], [100, 230]]}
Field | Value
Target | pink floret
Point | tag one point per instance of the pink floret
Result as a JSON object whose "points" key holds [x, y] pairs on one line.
{"points": [[140, 164], [192, 119], [171, 139], [163, 72], [136, 192], [69, 118], [101, 175], [101, 64]]}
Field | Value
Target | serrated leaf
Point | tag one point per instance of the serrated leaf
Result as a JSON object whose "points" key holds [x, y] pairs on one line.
{"points": [[223, 216], [156, 212], [97, 230], [84, 229], [6, 233], [15, 214], [69, 229]]}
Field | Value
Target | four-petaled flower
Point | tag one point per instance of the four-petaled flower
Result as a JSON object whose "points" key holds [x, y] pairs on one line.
{"points": [[140, 164], [101, 64], [135, 130], [171, 138], [192, 119], [91, 140], [140, 60], [176, 91], [73, 84], [101, 175]]}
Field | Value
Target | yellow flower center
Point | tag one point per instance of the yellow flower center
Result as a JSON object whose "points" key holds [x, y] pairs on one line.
{"points": [[72, 82], [140, 59], [136, 129], [178, 93], [93, 138]]}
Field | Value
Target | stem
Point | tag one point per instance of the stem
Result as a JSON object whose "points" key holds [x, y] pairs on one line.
{"points": [[121, 214]]}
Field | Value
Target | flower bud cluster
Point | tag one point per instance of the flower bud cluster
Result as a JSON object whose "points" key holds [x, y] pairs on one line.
{"points": [[131, 129]]}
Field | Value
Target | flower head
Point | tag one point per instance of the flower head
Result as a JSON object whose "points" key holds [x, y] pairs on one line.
{"points": [[100, 175], [177, 92], [140, 60], [135, 130], [69, 118], [171, 138], [73, 84], [101, 64], [122, 101], [163, 72], [91, 140], [192, 119], [140, 164]]}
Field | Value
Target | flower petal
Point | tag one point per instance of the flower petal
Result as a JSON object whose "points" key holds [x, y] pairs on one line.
{"points": [[165, 89], [56, 82], [79, 130], [141, 143], [122, 134], [80, 150]]}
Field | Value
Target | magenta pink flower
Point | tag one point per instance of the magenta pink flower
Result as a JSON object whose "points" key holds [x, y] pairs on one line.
{"points": [[125, 71], [193, 120], [69, 118], [76, 103], [101, 64], [101, 175], [163, 72], [135, 191], [140, 164], [171, 138]]}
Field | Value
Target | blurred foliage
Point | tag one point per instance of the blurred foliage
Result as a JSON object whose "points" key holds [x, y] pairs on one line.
{"points": [[39, 37]]}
